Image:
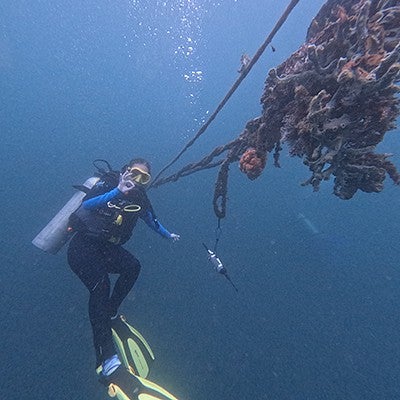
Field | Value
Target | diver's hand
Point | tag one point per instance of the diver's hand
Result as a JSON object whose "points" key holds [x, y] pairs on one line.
{"points": [[175, 237], [125, 183]]}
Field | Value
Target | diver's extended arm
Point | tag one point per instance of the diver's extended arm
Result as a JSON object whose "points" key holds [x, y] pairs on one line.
{"points": [[156, 225], [101, 199]]}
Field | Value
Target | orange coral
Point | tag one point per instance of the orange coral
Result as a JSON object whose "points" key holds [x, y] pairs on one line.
{"points": [[341, 14], [252, 164]]}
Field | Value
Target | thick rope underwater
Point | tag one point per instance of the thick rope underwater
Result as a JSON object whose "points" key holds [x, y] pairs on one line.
{"points": [[243, 75]]}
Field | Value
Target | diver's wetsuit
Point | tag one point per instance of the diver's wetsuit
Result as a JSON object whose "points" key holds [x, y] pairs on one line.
{"points": [[104, 222]]}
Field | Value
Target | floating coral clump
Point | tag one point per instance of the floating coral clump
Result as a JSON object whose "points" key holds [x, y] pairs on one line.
{"points": [[251, 163], [335, 98]]}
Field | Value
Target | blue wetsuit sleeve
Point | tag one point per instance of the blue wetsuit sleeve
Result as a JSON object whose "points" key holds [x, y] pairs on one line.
{"points": [[154, 224], [100, 200]]}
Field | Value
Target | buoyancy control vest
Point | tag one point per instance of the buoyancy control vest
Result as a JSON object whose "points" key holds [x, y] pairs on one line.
{"points": [[114, 221]]}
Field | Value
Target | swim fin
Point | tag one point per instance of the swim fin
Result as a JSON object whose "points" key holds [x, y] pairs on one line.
{"points": [[124, 385], [133, 349]]}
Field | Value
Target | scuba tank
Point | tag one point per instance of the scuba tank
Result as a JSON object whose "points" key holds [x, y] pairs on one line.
{"points": [[56, 233]]}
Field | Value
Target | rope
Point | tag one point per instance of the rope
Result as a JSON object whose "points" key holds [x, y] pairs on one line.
{"points": [[218, 233], [243, 75], [221, 190], [205, 163]]}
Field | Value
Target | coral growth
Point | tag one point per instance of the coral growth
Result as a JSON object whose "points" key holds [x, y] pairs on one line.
{"points": [[334, 99], [252, 164]]}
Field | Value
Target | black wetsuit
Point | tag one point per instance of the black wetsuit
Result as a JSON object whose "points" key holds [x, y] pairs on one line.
{"points": [[104, 222]]}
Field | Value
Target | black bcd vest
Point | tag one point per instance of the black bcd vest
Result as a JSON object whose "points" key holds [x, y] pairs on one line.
{"points": [[112, 222]]}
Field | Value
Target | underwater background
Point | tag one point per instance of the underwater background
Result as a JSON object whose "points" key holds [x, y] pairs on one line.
{"points": [[317, 312]]}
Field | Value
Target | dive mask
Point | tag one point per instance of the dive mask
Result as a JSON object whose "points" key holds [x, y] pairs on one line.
{"points": [[139, 175]]}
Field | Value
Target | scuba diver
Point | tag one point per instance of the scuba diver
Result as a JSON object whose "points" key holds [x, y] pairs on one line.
{"points": [[103, 224]]}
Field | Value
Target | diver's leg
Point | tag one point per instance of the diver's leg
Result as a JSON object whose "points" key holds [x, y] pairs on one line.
{"points": [[128, 268], [87, 259], [100, 318]]}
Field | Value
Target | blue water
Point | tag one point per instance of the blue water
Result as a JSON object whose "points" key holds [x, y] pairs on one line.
{"points": [[316, 316]]}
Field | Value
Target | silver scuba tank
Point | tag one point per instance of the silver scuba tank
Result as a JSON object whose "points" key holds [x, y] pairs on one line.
{"points": [[55, 234]]}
